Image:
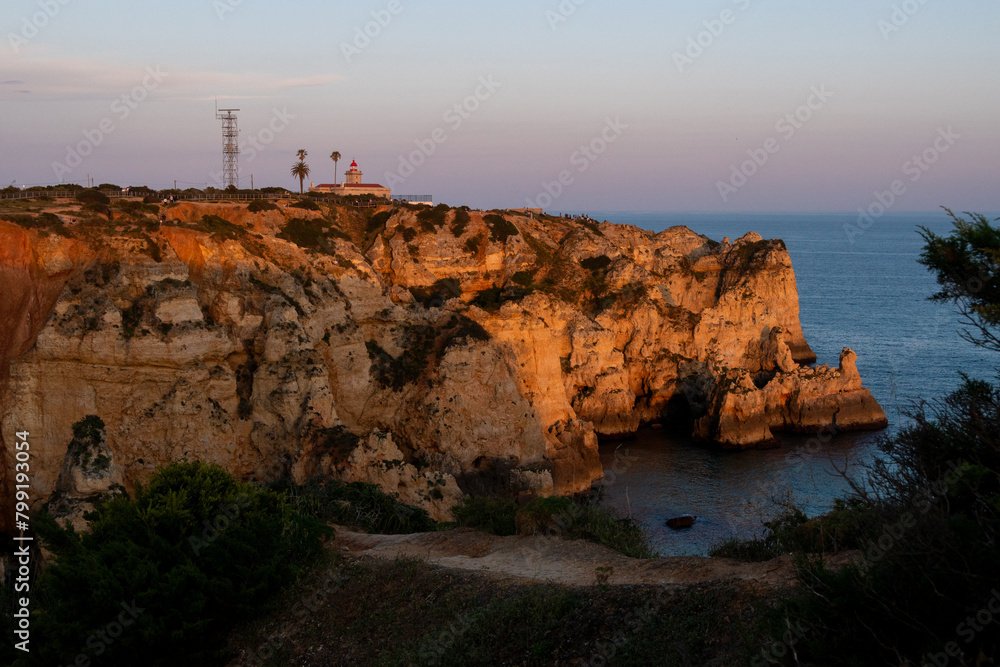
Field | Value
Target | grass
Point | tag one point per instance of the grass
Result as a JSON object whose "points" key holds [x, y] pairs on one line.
{"points": [[847, 526], [568, 517], [490, 515], [356, 505], [342, 610]]}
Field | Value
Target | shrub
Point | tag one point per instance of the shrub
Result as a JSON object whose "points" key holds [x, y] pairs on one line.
{"points": [[46, 222], [88, 440], [583, 518], [488, 514], [195, 550], [524, 278], [435, 296], [262, 206], [397, 372], [476, 244], [462, 328], [356, 505], [220, 229], [501, 229], [493, 298], [304, 233], [578, 518], [928, 525], [93, 197], [307, 205], [461, 222], [596, 264], [627, 298], [432, 219]]}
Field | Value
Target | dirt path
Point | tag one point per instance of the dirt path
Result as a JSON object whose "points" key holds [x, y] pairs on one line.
{"points": [[555, 560]]}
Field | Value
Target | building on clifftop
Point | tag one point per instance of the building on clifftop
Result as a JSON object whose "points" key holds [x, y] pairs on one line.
{"points": [[353, 186]]}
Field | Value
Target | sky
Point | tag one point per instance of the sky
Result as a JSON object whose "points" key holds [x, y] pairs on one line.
{"points": [[569, 105]]}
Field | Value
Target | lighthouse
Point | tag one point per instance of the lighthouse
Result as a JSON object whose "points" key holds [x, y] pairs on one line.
{"points": [[353, 174], [353, 186]]}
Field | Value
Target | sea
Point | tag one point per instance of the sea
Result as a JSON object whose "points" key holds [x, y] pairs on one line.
{"points": [[858, 288]]}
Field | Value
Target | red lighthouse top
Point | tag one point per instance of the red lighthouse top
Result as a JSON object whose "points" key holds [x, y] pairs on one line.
{"points": [[354, 164]]}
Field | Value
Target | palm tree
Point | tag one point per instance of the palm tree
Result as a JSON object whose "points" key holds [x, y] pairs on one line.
{"points": [[300, 170], [335, 156], [302, 154]]}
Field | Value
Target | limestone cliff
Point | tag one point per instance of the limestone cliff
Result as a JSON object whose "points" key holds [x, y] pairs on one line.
{"points": [[426, 350]]}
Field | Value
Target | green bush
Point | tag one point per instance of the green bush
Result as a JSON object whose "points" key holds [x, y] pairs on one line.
{"points": [[432, 219], [305, 233], [582, 518], [88, 439], [94, 196], [307, 205], [488, 514], [476, 244], [397, 372], [493, 298], [220, 229], [461, 328], [193, 552], [46, 222], [928, 527], [356, 505], [435, 295], [596, 264], [461, 222], [578, 518], [501, 229], [524, 278], [261, 206]]}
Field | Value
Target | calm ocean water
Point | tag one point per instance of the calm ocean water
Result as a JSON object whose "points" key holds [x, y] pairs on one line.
{"points": [[869, 295]]}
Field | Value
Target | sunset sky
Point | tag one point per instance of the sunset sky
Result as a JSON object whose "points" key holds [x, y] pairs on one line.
{"points": [[666, 119]]}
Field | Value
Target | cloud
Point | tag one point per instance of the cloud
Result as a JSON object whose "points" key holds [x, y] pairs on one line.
{"points": [[73, 79], [309, 81], [13, 82]]}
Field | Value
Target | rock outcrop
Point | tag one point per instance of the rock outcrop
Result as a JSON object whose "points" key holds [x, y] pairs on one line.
{"points": [[415, 348], [803, 400]]}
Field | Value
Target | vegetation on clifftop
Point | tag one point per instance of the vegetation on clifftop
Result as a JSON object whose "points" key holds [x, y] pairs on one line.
{"points": [[925, 517]]}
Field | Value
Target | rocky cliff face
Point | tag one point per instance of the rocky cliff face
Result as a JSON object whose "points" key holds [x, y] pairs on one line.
{"points": [[426, 350]]}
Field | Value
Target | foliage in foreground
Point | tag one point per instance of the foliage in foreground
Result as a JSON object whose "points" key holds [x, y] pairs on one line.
{"points": [[931, 570], [927, 517], [192, 553], [577, 518], [339, 615], [356, 505]]}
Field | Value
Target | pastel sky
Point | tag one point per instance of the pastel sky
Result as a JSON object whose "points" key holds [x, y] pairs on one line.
{"points": [[669, 124]]}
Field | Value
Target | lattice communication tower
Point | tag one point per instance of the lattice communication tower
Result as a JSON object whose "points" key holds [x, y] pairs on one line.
{"points": [[230, 146]]}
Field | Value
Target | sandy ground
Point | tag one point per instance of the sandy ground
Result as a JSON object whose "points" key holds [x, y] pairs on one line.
{"points": [[553, 559]]}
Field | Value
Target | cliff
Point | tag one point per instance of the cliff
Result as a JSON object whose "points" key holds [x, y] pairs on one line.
{"points": [[429, 351]]}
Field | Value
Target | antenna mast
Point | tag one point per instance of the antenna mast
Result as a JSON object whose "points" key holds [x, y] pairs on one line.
{"points": [[230, 146]]}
